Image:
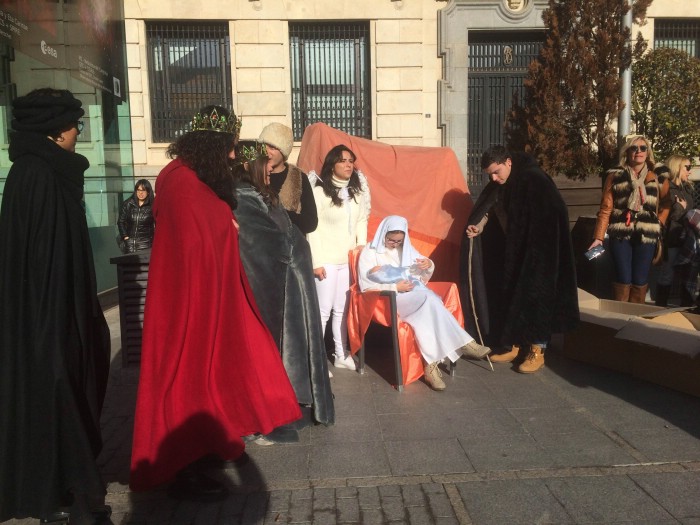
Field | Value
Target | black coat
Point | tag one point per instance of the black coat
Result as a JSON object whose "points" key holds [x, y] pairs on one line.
{"points": [[524, 263], [277, 262], [136, 223], [54, 341]]}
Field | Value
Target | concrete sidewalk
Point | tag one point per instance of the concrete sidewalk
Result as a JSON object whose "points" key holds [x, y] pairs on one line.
{"points": [[570, 444]]}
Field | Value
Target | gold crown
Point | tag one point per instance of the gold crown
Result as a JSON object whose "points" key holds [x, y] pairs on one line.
{"points": [[216, 122], [253, 152]]}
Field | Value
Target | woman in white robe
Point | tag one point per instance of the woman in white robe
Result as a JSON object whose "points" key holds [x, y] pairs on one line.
{"points": [[390, 262]]}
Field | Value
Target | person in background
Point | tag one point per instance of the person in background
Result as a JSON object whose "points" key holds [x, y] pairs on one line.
{"points": [[277, 261], [536, 295], [135, 221], [286, 180], [437, 332], [210, 370], [679, 239], [634, 206], [343, 204], [54, 340]]}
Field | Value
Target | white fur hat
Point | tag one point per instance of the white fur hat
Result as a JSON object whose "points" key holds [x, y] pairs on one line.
{"points": [[279, 136]]}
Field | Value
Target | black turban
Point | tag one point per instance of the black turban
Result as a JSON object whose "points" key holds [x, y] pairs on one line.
{"points": [[46, 111]]}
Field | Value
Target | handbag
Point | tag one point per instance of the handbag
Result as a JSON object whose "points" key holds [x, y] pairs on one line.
{"points": [[659, 251]]}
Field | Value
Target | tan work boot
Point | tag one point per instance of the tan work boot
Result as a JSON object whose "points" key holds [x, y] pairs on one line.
{"points": [[621, 292], [507, 357], [475, 350], [533, 361], [433, 377]]}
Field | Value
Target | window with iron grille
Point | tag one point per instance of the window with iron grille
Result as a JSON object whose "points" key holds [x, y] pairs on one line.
{"points": [[330, 76], [189, 66], [683, 34]]}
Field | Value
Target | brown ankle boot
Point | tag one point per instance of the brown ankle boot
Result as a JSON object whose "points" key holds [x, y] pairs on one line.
{"points": [[507, 357], [621, 292], [533, 361], [638, 293]]}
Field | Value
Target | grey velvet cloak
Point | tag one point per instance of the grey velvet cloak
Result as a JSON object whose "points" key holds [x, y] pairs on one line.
{"points": [[277, 261]]}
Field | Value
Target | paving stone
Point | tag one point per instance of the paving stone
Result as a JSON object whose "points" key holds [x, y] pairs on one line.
{"points": [[361, 459], [279, 500], [368, 497], [348, 510], [389, 490], [675, 492], [412, 495], [393, 508], [372, 517], [324, 517], [440, 505], [599, 499], [301, 511], [434, 456], [324, 499], [346, 492], [419, 516]]}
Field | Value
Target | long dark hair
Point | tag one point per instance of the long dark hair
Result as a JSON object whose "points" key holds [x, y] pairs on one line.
{"points": [[253, 172], [206, 152], [334, 156], [149, 189]]}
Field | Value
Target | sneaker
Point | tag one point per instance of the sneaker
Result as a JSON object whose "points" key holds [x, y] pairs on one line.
{"points": [[475, 350], [345, 362], [433, 376]]}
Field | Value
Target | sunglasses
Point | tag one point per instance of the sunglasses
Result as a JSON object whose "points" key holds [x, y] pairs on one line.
{"points": [[635, 148], [394, 242], [689, 167]]}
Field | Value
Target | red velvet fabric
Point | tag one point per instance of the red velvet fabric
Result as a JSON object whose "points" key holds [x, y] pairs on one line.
{"points": [[210, 370], [423, 184], [369, 306]]}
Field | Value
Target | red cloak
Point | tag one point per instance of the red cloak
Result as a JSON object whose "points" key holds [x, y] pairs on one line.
{"points": [[210, 370]]}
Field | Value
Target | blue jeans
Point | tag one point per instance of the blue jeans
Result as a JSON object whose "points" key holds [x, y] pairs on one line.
{"points": [[632, 260]]}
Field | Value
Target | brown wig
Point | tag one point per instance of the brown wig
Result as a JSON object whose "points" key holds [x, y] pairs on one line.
{"points": [[334, 156], [253, 172], [206, 152]]}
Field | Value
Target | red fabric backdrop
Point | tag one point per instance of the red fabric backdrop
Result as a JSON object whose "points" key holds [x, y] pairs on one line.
{"points": [[423, 184]]}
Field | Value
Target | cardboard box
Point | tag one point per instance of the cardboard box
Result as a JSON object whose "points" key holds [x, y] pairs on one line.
{"points": [[657, 344]]}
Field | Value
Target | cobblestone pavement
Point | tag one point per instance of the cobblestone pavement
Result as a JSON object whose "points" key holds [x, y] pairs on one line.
{"points": [[570, 444]]}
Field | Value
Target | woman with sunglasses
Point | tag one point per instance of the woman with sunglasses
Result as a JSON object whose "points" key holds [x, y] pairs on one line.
{"points": [[633, 209], [679, 236]]}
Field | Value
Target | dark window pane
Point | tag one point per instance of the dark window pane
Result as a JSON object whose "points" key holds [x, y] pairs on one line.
{"points": [[189, 66]]}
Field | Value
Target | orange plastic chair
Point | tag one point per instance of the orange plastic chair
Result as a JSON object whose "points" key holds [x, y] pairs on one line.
{"points": [[380, 306]]}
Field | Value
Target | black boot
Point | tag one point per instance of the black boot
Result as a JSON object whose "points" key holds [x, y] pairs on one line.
{"points": [[662, 293], [686, 297]]}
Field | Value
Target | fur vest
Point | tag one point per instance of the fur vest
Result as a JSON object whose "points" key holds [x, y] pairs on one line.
{"points": [[643, 225]]}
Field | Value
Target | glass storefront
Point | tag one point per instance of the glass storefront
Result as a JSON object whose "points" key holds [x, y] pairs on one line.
{"points": [[76, 45]]}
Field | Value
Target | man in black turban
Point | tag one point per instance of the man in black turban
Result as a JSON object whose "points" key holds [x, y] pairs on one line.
{"points": [[54, 341]]}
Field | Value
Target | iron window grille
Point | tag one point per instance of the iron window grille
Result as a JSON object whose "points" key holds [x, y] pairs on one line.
{"points": [[330, 76], [682, 34], [189, 66]]}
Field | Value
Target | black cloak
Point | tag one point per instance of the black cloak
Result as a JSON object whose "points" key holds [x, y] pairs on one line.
{"points": [[277, 262], [54, 341], [522, 267]]}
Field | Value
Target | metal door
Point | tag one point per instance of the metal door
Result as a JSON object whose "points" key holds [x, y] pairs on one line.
{"points": [[498, 63]]}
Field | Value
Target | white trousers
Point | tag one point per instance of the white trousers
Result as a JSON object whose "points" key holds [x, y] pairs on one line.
{"points": [[332, 299]]}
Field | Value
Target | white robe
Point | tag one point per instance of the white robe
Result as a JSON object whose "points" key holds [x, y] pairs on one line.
{"points": [[438, 334]]}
